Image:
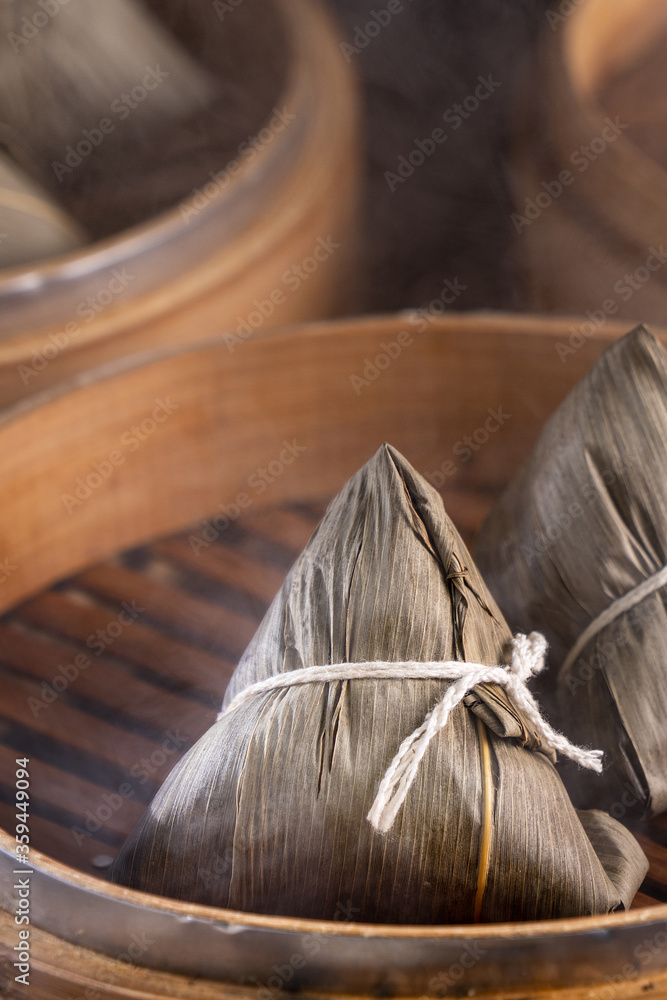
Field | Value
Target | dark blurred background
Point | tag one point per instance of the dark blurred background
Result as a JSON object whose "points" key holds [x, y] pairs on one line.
{"points": [[451, 218]]}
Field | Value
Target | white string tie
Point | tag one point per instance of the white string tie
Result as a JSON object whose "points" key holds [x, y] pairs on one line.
{"points": [[527, 659], [618, 607]]}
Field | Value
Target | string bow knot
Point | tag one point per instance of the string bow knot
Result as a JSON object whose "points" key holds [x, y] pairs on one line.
{"points": [[527, 658]]}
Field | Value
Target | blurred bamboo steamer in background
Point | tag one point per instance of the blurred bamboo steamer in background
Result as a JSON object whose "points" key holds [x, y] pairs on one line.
{"points": [[589, 163], [97, 744], [264, 233]]}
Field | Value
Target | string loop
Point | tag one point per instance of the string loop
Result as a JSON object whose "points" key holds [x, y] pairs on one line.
{"points": [[526, 660], [613, 611]]}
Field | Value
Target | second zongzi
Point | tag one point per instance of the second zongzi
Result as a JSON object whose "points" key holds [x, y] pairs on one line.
{"points": [[577, 547]]}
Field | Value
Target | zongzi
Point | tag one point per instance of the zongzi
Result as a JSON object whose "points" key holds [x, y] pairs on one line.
{"points": [[32, 225], [378, 748], [576, 547]]}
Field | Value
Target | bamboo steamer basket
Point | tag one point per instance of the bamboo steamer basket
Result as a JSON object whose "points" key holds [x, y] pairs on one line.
{"points": [[606, 221], [227, 417], [202, 267]]}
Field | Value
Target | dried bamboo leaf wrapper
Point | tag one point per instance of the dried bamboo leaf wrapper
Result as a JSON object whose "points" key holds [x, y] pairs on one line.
{"points": [[614, 845], [583, 524], [268, 811], [32, 224]]}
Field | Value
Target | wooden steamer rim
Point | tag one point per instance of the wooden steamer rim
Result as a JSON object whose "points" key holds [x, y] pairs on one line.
{"points": [[355, 959], [231, 412]]}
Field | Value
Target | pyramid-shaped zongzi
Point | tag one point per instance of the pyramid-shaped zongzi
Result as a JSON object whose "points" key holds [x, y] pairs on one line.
{"points": [[268, 812]]}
